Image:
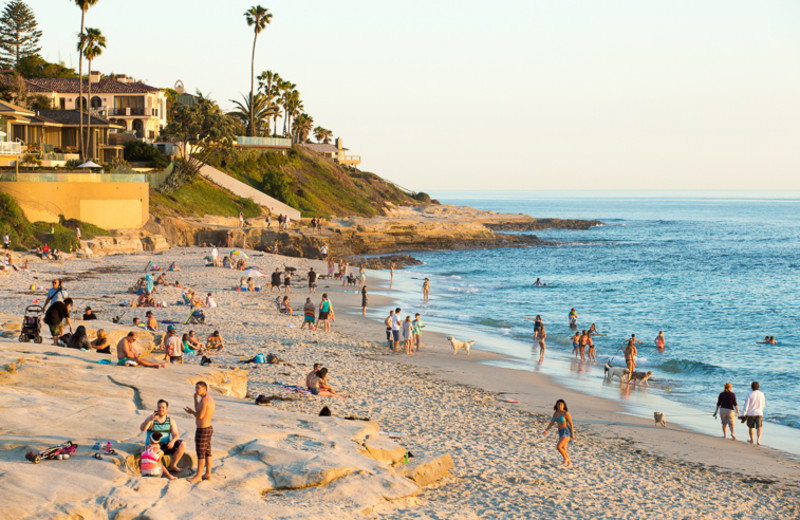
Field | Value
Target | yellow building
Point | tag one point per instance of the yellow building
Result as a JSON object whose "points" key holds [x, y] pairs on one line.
{"points": [[111, 201], [336, 152]]}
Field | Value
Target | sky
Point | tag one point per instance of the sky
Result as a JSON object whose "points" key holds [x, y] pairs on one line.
{"points": [[528, 95]]}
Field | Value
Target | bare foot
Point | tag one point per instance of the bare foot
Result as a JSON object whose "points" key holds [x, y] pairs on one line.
{"points": [[758, 443], [195, 479], [733, 438], [207, 476], [171, 477], [174, 469]]}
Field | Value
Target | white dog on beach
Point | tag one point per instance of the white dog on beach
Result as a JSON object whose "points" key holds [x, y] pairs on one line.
{"points": [[460, 344], [611, 372]]}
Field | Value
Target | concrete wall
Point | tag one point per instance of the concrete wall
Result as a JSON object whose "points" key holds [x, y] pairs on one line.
{"points": [[246, 191], [110, 205]]}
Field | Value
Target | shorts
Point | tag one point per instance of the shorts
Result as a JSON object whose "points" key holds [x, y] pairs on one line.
{"points": [[754, 421], [314, 391], [127, 362], [173, 450], [311, 285], [396, 335], [55, 330], [202, 441], [155, 472], [564, 432], [726, 417], [323, 315], [388, 334], [176, 359], [286, 283]]}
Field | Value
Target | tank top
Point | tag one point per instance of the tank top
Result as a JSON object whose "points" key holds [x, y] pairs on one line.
{"points": [[149, 459], [164, 428]]}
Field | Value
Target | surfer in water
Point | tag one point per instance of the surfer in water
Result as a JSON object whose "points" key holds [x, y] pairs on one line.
{"points": [[538, 283], [573, 319], [660, 342], [593, 330]]}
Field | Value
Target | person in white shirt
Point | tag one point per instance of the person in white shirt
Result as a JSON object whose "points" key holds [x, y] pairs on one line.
{"points": [[6, 241], [754, 412], [210, 302], [397, 324]]}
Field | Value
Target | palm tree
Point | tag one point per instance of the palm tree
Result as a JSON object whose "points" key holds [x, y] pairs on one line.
{"points": [[258, 17], [302, 127], [294, 105], [257, 115], [84, 6], [266, 84], [322, 135], [91, 43]]}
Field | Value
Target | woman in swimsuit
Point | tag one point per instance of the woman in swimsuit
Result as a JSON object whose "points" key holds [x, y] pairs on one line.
{"points": [[583, 342], [659, 341], [566, 431], [590, 344], [542, 336], [593, 330]]}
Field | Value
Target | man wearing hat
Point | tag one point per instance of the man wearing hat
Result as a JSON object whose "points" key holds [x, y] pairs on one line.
{"points": [[172, 346]]}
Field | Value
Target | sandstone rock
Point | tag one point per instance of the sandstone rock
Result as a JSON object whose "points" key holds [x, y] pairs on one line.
{"points": [[231, 383], [427, 471], [382, 449], [154, 243]]}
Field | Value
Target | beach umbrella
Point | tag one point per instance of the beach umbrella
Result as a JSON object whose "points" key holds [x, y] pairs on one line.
{"points": [[254, 273], [238, 254]]}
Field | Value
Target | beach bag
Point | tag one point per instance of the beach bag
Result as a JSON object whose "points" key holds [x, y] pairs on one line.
{"points": [[259, 358]]}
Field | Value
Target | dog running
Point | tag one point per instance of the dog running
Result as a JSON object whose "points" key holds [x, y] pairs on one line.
{"points": [[457, 345]]}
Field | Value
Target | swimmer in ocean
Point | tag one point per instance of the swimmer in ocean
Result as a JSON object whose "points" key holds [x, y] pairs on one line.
{"points": [[538, 283], [573, 318], [593, 330], [659, 341]]}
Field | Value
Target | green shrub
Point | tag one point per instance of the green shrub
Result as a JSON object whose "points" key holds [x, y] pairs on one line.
{"points": [[88, 230], [63, 238], [422, 196], [143, 152]]}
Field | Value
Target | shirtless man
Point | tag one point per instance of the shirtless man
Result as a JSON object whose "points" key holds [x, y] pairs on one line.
{"points": [[388, 322], [203, 412], [214, 342], [128, 356], [631, 353], [312, 375]]}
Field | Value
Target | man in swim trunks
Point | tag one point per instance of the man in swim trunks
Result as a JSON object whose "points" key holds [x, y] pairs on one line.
{"points": [[397, 323], [573, 318], [128, 356], [388, 322], [203, 412]]}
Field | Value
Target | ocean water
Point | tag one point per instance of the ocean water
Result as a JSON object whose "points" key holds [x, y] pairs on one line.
{"points": [[715, 271]]}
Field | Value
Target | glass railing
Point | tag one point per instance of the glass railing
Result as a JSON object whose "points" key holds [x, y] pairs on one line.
{"points": [[283, 142], [10, 147], [72, 177]]}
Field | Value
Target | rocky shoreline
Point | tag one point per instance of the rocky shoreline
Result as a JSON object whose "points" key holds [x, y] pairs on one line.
{"points": [[402, 229]]}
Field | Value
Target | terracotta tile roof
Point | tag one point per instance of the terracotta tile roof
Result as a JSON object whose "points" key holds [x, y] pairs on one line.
{"points": [[70, 118], [72, 86]]}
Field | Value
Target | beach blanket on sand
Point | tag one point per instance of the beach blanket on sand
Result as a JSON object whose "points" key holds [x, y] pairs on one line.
{"points": [[292, 388]]}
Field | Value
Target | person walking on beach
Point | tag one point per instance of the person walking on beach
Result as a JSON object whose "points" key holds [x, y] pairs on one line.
{"points": [[312, 281], [57, 293], [364, 300], [631, 353], [566, 430], [726, 404], [416, 328], [426, 290], [203, 412], [754, 412], [275, 281], [542, 337]]}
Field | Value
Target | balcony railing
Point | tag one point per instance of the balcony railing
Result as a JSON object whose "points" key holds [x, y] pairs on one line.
{"points": [[272, 142], [349, 158], [72, 177], [10, 148], [129, 111]]}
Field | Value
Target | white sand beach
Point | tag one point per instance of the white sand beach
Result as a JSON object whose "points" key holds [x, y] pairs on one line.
{"points": [[283, 461]]}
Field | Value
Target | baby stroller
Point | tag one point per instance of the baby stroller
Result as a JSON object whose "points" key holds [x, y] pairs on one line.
{"points": [[32, 324]]}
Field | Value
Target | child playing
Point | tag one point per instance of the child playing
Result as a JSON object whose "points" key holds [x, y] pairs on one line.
{"points": [[407, 334], [152, 465], [416, 329]]}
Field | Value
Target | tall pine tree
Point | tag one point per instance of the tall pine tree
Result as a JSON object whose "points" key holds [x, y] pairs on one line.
{"points": [[19, 36]]}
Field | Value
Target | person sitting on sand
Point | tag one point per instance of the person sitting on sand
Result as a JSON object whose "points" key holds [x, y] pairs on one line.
{"points": [[88, 314], [226, 263], [286, 308], [214, 342], [312, 375], [151, 324], [251, 286], [161, 424], [194, 342], [162, 279], [210, 301], [127, 355], [566, 430], [100, 343], [79, 340], [151, 464], [174, 266], [241, 265], [137, 323], [308, 315], [319, 385]]}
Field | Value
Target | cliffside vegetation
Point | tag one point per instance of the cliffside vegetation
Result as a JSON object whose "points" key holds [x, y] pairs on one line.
{"points": [[197, 197], [315, 185]]}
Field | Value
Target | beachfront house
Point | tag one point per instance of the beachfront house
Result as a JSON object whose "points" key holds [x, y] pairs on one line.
{"points": [[137, 108], [335, 152]]}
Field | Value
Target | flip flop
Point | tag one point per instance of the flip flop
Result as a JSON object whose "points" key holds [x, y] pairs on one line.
{"points": [[98, 456]]}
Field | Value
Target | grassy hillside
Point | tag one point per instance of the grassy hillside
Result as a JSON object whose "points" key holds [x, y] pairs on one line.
{"points": [[199, 197], [315, 185]]}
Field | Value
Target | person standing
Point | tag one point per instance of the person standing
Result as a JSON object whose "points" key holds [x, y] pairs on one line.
{"points": [[542, 337], [275, 281], [241, 219], [754, 412], [6, 241], [308, 315], [344, 274], [323, 250], [312, 281], [287, 282], [364, 300], [631, 352], [573, 319], [362, 276], [325, 313], [388, 322], [566, 430], [78, 232], [203, 412], [537, 326], [397, 324], [660, 342], [56, 315], [426, 290], [57, 293], [391, 276], [416, 328], [726, 404]]}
